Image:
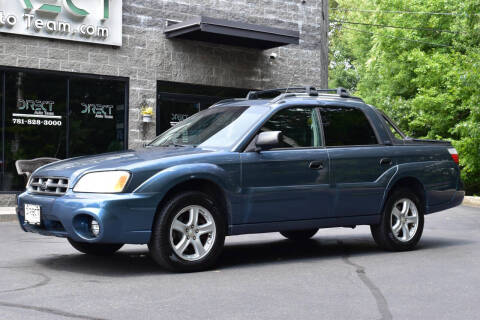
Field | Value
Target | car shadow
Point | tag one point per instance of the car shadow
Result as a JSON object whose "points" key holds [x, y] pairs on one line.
{"points": [[123, 263], [317, 249], [136, 262]]}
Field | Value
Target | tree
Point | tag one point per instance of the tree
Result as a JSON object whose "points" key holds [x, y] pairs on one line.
{"points": [[419, 61]]}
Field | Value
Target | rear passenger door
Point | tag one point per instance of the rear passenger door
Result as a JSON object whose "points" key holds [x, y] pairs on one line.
{"points": [[360, 166]]}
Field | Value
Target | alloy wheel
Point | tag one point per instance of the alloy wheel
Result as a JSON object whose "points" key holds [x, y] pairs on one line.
{"points": [[192, 233], [404, 220]]}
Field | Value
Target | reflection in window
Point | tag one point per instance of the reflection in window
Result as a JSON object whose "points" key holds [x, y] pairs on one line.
{"points": [[299, 127], [200, 127], [178, 101]]}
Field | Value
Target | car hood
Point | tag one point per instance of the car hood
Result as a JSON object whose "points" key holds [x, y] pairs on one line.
{"points": [[148, 159]]}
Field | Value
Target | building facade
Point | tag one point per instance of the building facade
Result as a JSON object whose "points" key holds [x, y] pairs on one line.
{"points": [[74, 75]]}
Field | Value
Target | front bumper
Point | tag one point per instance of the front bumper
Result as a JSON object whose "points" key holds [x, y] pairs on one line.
{"points": [[123, 218]]}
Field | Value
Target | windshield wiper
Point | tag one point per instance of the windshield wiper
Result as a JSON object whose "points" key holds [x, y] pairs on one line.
{"points": [[174, 144]]}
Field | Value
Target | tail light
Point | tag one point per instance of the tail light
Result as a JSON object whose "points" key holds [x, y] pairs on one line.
{"points": [[453, 152]]}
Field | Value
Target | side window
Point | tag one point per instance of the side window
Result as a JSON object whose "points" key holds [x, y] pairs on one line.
{"points": [[299, 126], [345, 126]]}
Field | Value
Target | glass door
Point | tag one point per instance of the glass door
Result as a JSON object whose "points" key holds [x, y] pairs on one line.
{"points": [[174, 108], [178, 101], [97, 116]]}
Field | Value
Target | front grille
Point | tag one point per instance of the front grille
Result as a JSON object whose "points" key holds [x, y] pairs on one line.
{"points": [[48, 185]]}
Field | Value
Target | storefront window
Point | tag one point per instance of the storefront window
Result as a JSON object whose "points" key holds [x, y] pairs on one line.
{"points": [[59, 116], [35, 124], [97, 116]]}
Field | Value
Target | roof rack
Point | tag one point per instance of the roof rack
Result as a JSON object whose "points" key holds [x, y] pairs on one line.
{"points": [[342, 92], [311, 91], [291, 92]]}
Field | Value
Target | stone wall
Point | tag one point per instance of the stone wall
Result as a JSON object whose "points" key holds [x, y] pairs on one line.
{"points": [[147, 56]]}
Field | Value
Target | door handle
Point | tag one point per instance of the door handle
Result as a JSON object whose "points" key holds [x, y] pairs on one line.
{"points": [[386, 161], [316, 165]]}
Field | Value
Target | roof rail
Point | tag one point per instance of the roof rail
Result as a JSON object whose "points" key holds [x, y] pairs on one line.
{"points": [[311, 91], [225, 101]]}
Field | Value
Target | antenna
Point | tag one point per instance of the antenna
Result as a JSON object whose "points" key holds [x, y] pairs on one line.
{"points": [[300, 28]]}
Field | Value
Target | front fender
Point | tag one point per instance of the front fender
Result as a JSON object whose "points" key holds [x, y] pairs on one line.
{"points": [[166, 179]]}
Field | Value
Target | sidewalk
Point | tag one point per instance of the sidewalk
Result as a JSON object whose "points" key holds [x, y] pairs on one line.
{"points": [[8, 213]]}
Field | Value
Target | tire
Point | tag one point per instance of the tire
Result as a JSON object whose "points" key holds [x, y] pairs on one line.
{"points": [[391, 234], [96, 249], [180, 244], [299, 235]]}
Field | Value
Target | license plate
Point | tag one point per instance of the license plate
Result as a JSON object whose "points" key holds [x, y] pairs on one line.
{"points": [[32, 214]]}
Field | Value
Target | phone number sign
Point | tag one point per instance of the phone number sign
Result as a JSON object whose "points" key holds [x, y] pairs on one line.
{"points": [[36, 113]]}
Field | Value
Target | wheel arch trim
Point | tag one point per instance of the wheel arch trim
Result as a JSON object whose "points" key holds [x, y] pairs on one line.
{"points": [[166, 181], [399, 180]]}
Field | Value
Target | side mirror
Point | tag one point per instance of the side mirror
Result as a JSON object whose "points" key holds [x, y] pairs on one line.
{"points": [[268, 140]]}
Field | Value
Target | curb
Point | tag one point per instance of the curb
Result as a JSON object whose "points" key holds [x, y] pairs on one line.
{"points": [[8, 214], [471, 201]]}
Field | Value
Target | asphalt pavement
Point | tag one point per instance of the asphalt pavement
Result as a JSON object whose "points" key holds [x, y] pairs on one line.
{"points": [[340, 274]]}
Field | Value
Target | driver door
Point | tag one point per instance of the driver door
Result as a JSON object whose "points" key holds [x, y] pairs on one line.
{"points": [[290, 182]]}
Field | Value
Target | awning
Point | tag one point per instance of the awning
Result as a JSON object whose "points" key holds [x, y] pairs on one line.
{"points": [[232, 33]]}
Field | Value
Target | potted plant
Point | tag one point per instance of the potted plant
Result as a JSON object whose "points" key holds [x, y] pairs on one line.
{"points": [[147, 113]]}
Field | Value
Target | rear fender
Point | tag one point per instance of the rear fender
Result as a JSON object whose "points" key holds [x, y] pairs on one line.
{"points": [[438, 178]]}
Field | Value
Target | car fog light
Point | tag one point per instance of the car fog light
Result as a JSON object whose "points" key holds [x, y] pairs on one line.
{"points": [[95, 227]]}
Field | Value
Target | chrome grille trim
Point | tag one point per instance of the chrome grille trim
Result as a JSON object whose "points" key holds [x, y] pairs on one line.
{"points": [[56, 186]]}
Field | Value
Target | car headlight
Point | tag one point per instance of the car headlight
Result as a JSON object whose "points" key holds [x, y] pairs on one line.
{"points": [[103, 182]]}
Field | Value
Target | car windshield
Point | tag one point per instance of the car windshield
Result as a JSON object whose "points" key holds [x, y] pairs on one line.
{"points": [[215, 127]]}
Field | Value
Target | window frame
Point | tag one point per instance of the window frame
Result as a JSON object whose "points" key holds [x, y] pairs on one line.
{"points": [[367, 116], [249, 147]]}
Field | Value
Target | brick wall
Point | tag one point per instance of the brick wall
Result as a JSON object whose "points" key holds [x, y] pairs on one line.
{"points": [[147, 56]]}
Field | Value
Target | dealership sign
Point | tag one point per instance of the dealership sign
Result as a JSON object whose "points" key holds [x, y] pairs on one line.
{"points": [[94, 21]]}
